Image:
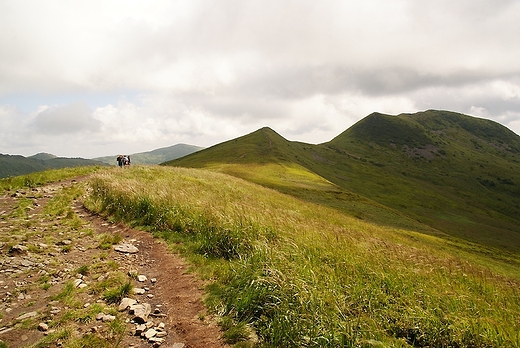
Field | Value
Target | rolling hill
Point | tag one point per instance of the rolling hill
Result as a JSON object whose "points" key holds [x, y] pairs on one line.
{"points": [[437, 172], [13, 165], [156, 156]]}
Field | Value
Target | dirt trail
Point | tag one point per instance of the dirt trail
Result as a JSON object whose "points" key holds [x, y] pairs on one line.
{"points": [[39, 257]]}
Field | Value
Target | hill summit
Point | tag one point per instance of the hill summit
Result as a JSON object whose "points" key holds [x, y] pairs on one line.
{"points": [[450, 173]]}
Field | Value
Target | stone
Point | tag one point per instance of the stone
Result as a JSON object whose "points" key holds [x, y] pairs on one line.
{"points": [[18, 249], [27, 315], [138, 291], [141, 312], [139, 329], [4, 330], [161, 334], [105, 317], [77, 282], [43, 327], [126, 303], [126, 248], [153, 280], [142, 278], [108, 318], [157, 341], [150, 333], [178, 345]]}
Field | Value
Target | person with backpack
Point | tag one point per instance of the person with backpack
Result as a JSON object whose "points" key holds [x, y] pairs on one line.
{"points": [[120, 160]]}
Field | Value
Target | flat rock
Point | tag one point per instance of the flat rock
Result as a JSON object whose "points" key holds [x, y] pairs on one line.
{"points": [[18, 249], [126, 303], [27, 315], [139, 329], [141, 312], [142, 278], [126, 248], [150, 333], [138, 291]]}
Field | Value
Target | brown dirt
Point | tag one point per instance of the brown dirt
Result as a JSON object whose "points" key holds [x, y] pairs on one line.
{"points": [[56, 252]]}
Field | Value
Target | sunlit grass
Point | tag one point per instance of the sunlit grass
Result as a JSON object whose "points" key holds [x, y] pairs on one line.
{"points": [[305, 275]]}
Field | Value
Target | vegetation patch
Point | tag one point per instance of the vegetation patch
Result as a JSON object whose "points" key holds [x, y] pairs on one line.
{"points": [[303, 275]]}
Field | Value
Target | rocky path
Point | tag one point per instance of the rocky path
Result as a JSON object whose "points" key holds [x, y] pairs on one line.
{"points": [[63, 282]]}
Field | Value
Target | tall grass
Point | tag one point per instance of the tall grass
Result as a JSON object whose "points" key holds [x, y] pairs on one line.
{"points": [[303, 275]]}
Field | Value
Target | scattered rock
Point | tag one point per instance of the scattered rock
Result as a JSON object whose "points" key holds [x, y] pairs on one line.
{"points": [[18, 249], [126, 248], [4, 330], [126, 303], [153, 280], [138, 291], [139, 329], [108, 317], [142, 278], [141, 312], [105, 317], [77, 282], [150, 333], [27, 315], [43, 327]]}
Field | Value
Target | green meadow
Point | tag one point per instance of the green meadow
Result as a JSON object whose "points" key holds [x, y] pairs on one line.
{"points": [[288, 267]]}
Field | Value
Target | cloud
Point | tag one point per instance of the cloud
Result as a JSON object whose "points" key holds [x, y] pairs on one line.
{"points": [[121, 76], [66, 119]]}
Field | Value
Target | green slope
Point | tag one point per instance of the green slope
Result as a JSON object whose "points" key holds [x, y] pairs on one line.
{"points": [[299, 274], [434, 171]]}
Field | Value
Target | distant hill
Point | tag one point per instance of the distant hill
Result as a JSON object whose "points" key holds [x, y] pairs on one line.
{"points": [[13, 165], [43, 156], [435, 171], [155, 156]]}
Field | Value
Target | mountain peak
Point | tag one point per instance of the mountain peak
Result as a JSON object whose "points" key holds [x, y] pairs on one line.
{"points": [[43, 156]]}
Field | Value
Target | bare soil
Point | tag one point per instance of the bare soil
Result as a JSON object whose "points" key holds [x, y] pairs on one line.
{"points": [[39, 255]]}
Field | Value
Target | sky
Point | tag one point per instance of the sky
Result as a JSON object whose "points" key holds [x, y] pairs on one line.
{"points": [[96, 78]]}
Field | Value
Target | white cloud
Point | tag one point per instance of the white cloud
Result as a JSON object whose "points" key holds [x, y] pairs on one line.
{"points": [[142, 74], [65, 119]]}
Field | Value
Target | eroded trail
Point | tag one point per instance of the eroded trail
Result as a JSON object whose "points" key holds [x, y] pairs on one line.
{"points": [[56, 277]]}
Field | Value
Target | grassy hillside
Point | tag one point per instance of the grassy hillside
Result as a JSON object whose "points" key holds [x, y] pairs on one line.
{"points": [[156, 156], [19, 165], [437, 172], [304, 275]]}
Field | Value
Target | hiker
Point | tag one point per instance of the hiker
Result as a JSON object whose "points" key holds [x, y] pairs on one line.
{"points": [[127, 160], [120, 161]]}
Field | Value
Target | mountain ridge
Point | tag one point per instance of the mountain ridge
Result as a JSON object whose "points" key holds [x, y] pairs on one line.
{"points": [[14, 165], [447, 171]]}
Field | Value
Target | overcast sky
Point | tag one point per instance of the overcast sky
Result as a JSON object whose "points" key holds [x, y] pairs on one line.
{"points": [[94, 78]]}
